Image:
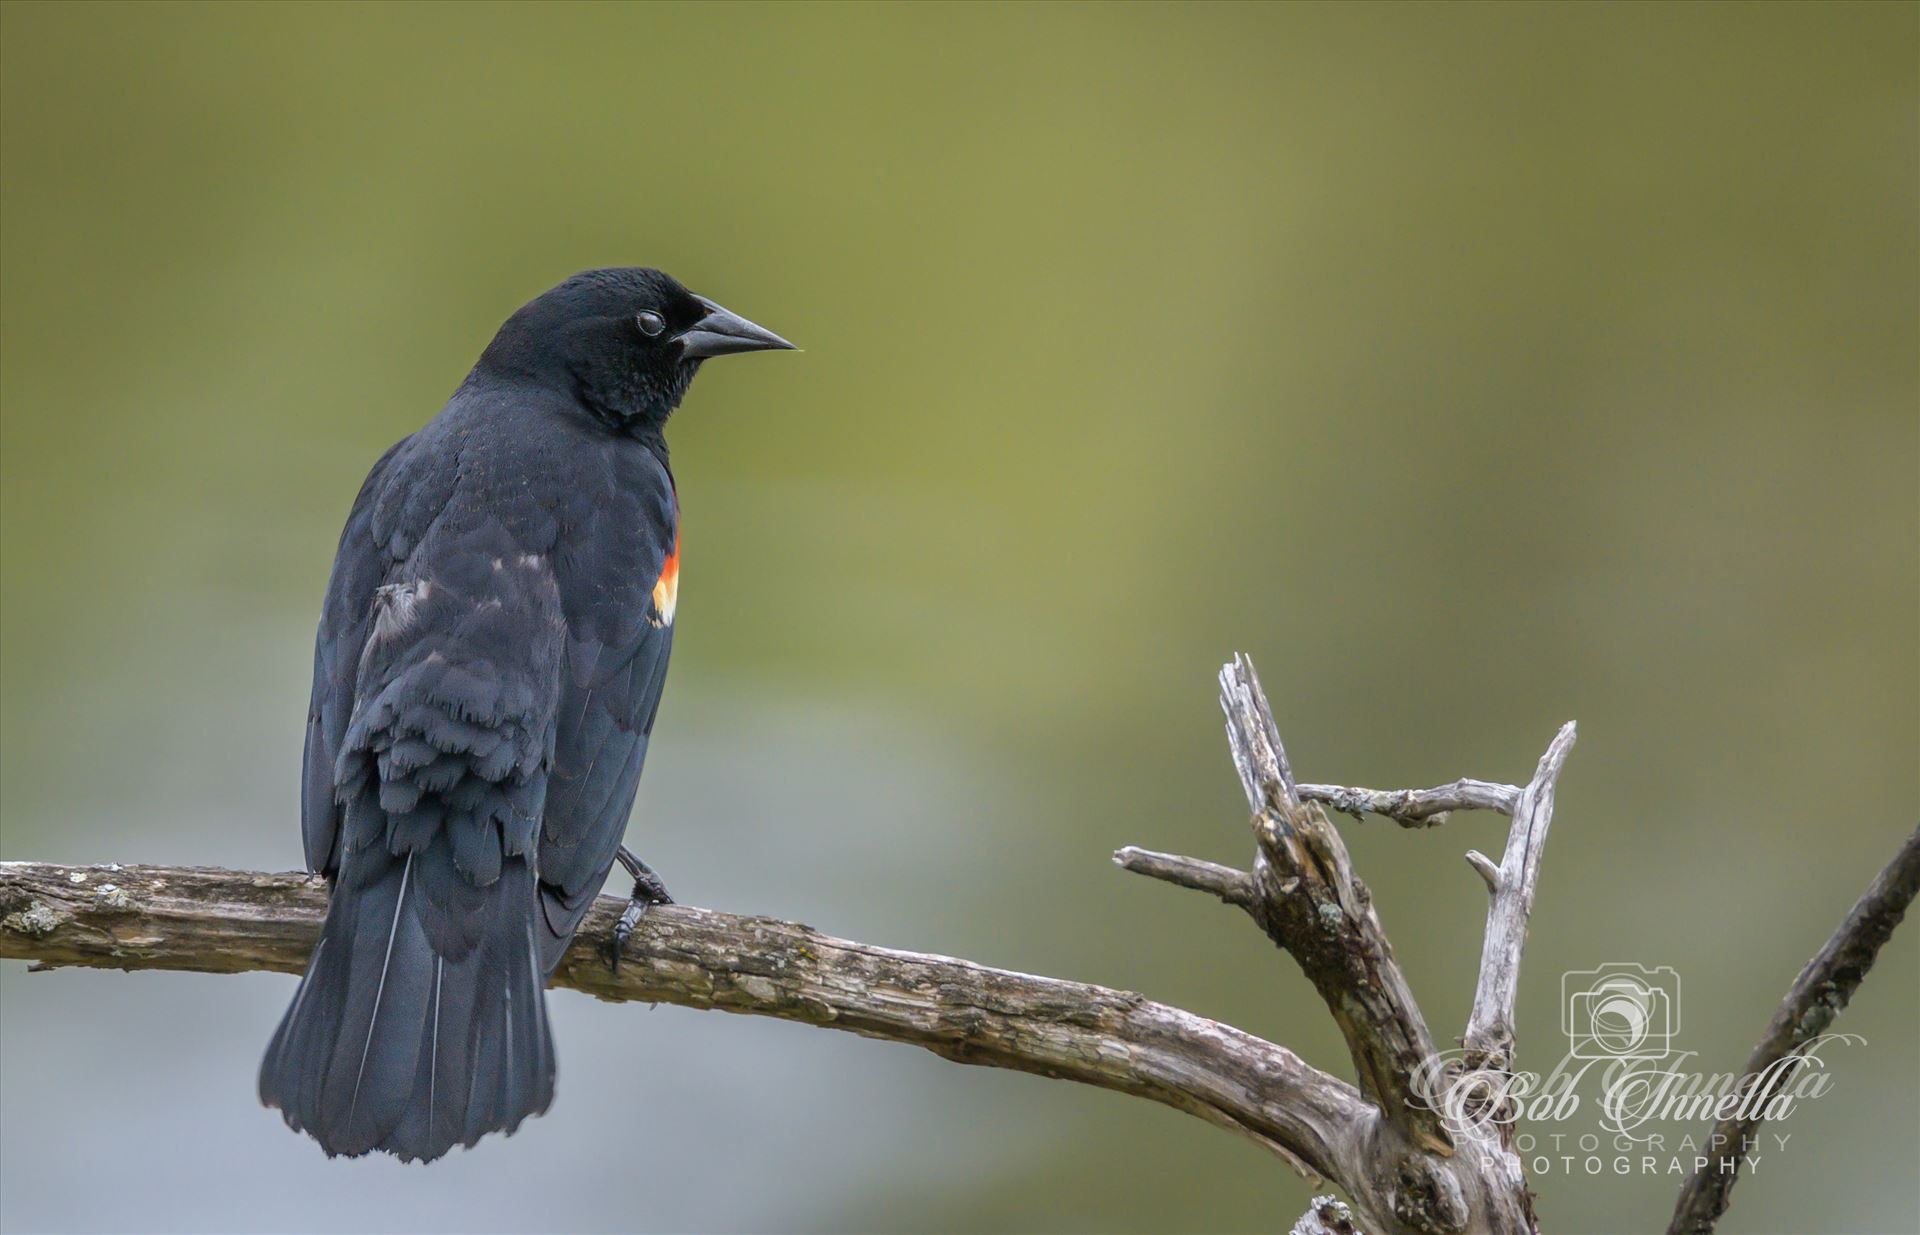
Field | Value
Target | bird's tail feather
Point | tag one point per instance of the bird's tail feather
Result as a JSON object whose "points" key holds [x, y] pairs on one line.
{"points": [[391, 1045]]}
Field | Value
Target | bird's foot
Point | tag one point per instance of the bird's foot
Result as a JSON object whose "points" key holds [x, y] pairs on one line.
{"points": [[648, 891]]}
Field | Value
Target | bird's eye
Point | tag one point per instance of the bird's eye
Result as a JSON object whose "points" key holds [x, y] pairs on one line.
{"points": [[651, 323]]}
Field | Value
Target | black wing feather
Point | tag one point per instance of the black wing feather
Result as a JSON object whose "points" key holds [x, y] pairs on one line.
{"points": [[617, 652], [359, 567]]}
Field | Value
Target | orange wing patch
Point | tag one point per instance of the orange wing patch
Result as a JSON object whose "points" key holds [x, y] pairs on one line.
{"points": [[666, 589]]}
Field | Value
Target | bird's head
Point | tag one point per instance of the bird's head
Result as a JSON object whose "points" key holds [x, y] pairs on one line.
{"points": [[625, 341]]}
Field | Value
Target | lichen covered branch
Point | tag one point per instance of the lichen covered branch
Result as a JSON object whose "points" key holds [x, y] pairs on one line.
{"points": [[1326, 1216], [1415, 808]]}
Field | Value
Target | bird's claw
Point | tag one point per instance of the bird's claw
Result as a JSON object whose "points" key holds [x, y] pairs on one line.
{"points": [[648, 891]]}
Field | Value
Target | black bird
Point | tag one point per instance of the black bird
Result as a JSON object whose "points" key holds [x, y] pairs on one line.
{"points": [[489, 664]]}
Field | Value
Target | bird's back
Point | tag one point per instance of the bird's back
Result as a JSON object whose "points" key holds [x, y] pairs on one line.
{"points": [[489, 660]]}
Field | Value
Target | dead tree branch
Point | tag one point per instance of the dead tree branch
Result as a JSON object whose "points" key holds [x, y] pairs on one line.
{"points": [[220, 921], [1234, 887], [1415, 808], [1490, 1031], [1312, 904], [1818, 995], [1412, 1156], [1424, 1174]]}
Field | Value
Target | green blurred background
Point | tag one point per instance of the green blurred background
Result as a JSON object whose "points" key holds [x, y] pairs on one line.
{"points": [[1473, 368]]}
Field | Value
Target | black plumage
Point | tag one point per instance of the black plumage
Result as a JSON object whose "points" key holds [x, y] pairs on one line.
{"points": [[489, 664]]}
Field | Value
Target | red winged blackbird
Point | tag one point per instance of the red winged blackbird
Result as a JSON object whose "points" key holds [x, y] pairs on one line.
{"points": [[489, 664]]}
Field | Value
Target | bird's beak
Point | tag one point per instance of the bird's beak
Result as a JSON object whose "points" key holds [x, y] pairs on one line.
{"points": [[722, 333]]}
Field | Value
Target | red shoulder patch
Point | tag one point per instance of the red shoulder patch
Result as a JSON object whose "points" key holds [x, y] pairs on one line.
{"points": [[666, 589]]}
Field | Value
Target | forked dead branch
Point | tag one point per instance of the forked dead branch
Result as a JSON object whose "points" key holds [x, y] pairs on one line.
{"points": [[1405, 1168], [1413, 1169]]}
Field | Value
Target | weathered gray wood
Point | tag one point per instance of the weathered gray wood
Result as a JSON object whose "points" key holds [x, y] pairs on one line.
{"points": [[221, 921], [1822, 990], [1312, 904], [1326, 1216], [1420, 1174], [1230, 884], [1415, 808], [1490, 1030]]}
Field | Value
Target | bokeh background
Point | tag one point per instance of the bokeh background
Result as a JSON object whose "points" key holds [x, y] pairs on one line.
{"points": [[1473, 368]]}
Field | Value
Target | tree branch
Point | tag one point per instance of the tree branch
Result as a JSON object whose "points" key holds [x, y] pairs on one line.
{"points": [[1312, 904], [1428, 1174], [219, 921], [1407, 1170], [1231, 885], [1818, 995], [1415, 808], [1490, 1031]]}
